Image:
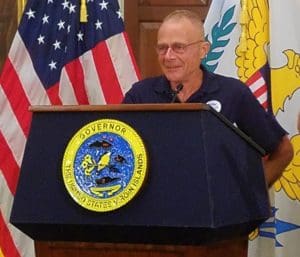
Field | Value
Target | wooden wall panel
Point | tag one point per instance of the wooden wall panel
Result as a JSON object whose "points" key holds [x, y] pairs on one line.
{"points": [[8, 27], [142, 19], [148, 31]]}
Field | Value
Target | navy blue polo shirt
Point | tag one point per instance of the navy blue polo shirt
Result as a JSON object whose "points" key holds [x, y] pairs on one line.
{"points": [[228, 95]]}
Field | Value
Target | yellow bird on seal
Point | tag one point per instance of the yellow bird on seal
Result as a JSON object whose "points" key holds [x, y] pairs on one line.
{"points": [[104, 161]]}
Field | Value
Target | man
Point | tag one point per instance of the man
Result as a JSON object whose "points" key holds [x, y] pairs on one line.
{"points": [[180, 47]]}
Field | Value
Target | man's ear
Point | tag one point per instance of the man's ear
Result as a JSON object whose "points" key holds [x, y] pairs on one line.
{"points": [[205, 46]]}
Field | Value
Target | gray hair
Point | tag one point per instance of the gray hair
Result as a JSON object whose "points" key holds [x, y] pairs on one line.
{"points": [[193, 17]]}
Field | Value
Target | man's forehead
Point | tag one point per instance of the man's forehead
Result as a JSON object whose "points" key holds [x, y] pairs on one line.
{"points": [[179, 21], [178, 31], [180, 24]]}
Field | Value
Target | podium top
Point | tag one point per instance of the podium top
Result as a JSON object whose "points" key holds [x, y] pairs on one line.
{"points": [[147, 107], [121, 107]]}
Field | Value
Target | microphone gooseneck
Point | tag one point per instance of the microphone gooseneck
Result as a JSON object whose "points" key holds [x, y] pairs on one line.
{"points": [[179, 87]]}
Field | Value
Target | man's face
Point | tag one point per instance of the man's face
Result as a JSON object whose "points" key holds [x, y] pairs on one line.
{"points": [[180, 66]]}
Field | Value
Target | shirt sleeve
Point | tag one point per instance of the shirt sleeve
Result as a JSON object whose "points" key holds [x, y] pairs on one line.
{"points": [[128, 99], [131, 96], [257, 123]]}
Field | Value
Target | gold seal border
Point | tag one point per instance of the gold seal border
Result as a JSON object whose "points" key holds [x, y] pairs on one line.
{"points": [[140, 165]]}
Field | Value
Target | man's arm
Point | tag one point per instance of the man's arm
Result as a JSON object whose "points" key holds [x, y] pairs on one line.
{"points": [[276, 162]]}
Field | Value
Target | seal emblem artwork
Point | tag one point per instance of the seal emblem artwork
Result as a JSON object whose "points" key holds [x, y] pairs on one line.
{"points": [[104, 165]]}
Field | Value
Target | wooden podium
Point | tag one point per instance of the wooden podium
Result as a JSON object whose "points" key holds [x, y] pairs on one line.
{"points": [[205, 184]]}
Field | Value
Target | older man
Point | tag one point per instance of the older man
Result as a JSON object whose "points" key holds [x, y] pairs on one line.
{"points": [[180, 47]]}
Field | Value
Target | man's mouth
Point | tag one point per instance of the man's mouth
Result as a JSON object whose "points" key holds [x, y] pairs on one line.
{"points": [[172, 67]]}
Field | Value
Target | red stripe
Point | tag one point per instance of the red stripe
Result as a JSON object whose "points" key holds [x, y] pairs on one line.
{"points": [[137, 71], [16, 96], [53, 94], [257, 75], [76, 76], [260, 91], [8, 247], [265, 105], [262, 88], [107, 75], [8, 165]]}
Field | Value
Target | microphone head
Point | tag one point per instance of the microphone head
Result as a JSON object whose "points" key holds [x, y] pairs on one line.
{"points": [[179, 87]]}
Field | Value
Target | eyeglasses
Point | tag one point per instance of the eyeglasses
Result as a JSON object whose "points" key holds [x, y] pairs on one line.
{"points": [[178, 48]]}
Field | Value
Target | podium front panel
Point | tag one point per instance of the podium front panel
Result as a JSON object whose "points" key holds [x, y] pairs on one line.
{"points": [[204, 182]]}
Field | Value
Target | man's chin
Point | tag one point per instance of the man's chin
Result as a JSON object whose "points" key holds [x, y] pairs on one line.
{"points": [[173, 77]]}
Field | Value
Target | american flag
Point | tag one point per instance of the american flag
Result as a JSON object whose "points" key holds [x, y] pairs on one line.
{"points": [[56, 59]]}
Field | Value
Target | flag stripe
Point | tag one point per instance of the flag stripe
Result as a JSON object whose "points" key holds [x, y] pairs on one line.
{"points": [[11, 130], [263, 98], [10, 237], [136, 69], [261, 92], [255, 76], [16, 96], [119, 52], [6, 198], [53, 94], [107, 75], [8, 165], [7, 244], [9, 249], [76, 77], [257, 84], [23, 66], [66, 90], [265, 105], [92, 83]]}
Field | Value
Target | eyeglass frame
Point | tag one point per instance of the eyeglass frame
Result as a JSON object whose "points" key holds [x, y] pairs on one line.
{"points": [[180, 45]]}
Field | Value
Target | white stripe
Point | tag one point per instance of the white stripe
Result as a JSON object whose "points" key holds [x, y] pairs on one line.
{"points": [[257, 84], [6, 198], [91, 80], [22, 63], [263, 98], [122, 61], [10, 128], [24, 244], [66, 90]]}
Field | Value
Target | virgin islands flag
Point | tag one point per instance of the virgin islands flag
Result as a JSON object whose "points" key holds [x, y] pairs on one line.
{"points": [[257, 42]]}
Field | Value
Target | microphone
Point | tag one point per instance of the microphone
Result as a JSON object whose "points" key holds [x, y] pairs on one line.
{"points": [[179, 87]]}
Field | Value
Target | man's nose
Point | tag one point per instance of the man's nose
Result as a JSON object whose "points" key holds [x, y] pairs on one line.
{"points": [[170, 53]]}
